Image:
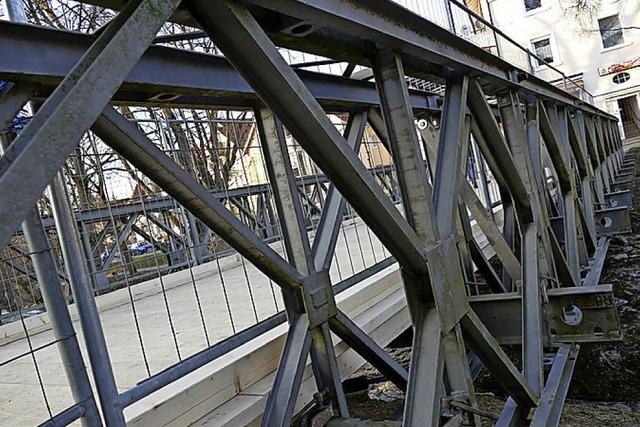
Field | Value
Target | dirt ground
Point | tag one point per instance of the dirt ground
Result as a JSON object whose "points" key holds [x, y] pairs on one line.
{"points": [[611, 372], [576, 413], [605, 389]]}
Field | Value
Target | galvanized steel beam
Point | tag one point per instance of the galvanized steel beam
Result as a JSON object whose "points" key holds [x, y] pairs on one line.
{"points": [[125, 138], [425, 241], [315, 299], [42, 57], [326, 236], [248, 48], [49, 136]]}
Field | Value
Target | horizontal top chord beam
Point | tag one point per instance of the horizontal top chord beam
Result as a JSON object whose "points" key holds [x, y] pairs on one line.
{"points": [[343, 30], [169, 76]]}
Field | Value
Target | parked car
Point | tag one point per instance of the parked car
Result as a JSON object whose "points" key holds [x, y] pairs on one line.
{"points": [[105, 254], [140, 248]]}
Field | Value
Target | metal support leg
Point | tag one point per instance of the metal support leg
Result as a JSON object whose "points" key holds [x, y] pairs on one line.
{"points": [[284, 392], [318, 309], [551, 402], [424, 381], [87, 309], [531, 311], [525, 147], [56, 305], [422, 403]]}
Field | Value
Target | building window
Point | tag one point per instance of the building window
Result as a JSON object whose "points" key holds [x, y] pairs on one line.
{"points": [[542, 49], [474, 6], [532, 4], [621, 78], [610, 31]]}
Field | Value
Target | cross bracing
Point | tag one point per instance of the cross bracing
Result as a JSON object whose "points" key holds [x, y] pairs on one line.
{"points": [[551, 242]]}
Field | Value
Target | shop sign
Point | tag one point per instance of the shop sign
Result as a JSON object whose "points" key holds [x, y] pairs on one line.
{"points": [[619, 66]]}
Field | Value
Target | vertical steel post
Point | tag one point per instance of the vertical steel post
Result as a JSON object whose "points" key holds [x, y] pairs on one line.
{"points": [[453, 149], [422, 404], [569, 201], [598, 169], [482, 182], [518, 134], [450, 19], [532, 302], [531, 310], [317, 295], [607, 173], [85, 302], [587, 182], [46, 272], [430, 223]]}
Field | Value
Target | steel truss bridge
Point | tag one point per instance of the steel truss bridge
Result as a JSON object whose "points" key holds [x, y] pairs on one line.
{"points": [[253, 204], [551, 246]]}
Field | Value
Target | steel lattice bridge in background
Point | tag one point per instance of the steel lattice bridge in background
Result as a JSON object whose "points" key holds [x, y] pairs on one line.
{"points": [[551, 245]]}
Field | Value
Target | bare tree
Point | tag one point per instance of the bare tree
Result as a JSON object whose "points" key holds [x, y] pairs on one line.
{"points": [[581, 15], [69, 15]]}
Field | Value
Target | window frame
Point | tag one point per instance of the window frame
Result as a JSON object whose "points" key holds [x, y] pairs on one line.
{"points": [[552, 45], [622, 34], [533, 10], [626, 74]]}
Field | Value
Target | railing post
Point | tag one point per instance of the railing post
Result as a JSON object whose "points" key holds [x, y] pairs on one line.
{"points": [[495, 35], [532, 68], [452, 23]]}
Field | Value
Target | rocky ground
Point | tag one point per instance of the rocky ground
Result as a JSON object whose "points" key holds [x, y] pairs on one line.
{"points": [[605, 390]]}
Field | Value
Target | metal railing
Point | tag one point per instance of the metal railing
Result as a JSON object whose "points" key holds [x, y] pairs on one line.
{"points": [[175, 338], [224, 300], [456, 17], [247, 303]]}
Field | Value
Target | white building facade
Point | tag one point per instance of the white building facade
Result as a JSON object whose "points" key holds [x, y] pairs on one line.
{"points": [[595, 42]]}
